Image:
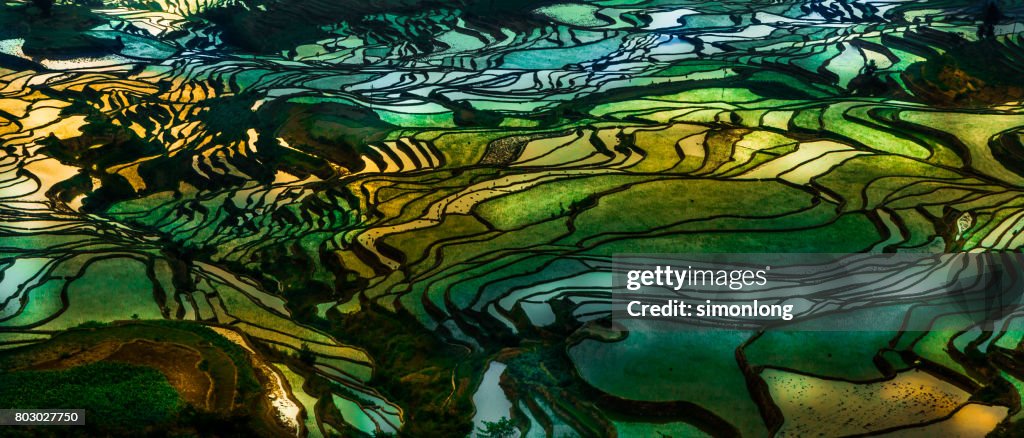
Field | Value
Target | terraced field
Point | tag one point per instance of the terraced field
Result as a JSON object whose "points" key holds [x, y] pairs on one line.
{"points": [[376, 202]]}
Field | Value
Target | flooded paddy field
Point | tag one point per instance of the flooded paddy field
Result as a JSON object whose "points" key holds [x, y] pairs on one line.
{"points": [[398, 217]]}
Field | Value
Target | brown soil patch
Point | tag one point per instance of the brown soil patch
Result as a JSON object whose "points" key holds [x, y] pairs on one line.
{"points": [[61, 359], [178, 363]]}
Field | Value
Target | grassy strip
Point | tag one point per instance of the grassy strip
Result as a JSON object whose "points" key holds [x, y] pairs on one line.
{"points": [[117, 396]]}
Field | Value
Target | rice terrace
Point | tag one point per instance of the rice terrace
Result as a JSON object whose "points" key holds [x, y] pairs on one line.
{"points": [[323, 218]]}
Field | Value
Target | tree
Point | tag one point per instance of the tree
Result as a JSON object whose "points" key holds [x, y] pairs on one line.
{"points": [[306, 355], [989, 19], [503, 428], [46, 6]]}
